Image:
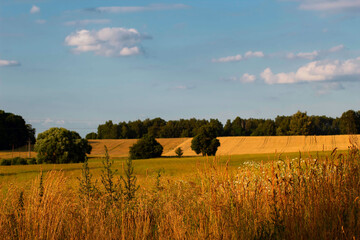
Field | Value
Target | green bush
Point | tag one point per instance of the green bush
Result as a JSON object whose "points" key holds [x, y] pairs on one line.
{"points": [[146, 147], [59, 145], [6, 162], [15, 161]]}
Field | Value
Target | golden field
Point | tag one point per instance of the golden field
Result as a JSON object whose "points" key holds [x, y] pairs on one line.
{"points": [[234, 145], [229, 145]]}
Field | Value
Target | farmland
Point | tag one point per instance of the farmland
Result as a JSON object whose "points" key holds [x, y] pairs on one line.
{"points": [[282, 195]]}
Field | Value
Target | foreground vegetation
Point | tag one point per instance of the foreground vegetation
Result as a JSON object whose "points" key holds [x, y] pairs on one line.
{"points": [[312, 197]]}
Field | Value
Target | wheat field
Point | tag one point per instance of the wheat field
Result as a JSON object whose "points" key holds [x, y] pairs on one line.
{"points": [[234, 145]]}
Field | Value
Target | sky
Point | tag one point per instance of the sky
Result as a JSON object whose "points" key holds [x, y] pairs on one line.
{"points": [[77, 63]]}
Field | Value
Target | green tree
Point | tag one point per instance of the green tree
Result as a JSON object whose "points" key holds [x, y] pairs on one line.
{"points": [[300, 124], [91, 135], [14, 132], [179, 152], [59, 145], [349, 122], [146, 147], [205, 142]]}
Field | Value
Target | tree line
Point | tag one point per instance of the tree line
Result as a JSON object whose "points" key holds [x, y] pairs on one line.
{"points": [[14, 132], [297, 124]]}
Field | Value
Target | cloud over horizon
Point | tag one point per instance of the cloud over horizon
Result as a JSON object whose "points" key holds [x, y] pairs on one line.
{"points": [[34, 9], [315, 54], [107, 41], [316, 71], [8, 63], [132, 9], [239, 57], [330, 5]]}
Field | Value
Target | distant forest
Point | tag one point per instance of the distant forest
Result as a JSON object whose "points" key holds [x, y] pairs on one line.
{"points": [[297, 124]]}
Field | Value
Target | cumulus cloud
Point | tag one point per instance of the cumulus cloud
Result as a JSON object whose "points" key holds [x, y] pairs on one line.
{"points": [[250, 54], [314, 54], [316, 71], [8, 63], [330, 5], [245, 78], [239, 57], [183, 87], [131, 9], [107, 41], [86, 22], [34, 9]]}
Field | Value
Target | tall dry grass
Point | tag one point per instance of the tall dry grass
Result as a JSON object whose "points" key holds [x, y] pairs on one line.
{"points": [[305, 198]]}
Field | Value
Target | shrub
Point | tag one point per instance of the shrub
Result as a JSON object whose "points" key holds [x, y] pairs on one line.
{"points": [[59, 145], [179, 152], [146, 147]]}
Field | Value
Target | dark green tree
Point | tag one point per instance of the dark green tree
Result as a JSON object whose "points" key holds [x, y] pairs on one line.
{"points": [[300, 124], [205, 142], [349, 122], [91, 135], [59, 145], [179, 152], [14, 132], [146, 147]]}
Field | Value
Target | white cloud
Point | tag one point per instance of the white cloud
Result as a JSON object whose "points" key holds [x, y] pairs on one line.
{"points": [[316, 71], [183, 87], [8, 63], [129, 51], [250, 54], [247, 78], [87, 21], [304, 55], [329, 5], [107, 41], [40, 21], [239, 57], [314, 54], [34, 9], [235, 58], [152, 7], [336, 48]]}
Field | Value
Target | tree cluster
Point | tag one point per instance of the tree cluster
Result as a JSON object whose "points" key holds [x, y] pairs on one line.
{"points": [[59, 145], [297, 124], [14, 132]]}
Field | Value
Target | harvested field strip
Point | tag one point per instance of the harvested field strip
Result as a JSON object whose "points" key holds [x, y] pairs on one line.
{"points": [[234, 145]]}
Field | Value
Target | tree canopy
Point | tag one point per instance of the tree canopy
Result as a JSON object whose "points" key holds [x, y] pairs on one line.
{"points": [[59, 145], [14, 132], [205, 142], [146, 147]]}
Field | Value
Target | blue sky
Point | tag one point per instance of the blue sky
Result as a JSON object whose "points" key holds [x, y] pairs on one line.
{"points": [[76, 64]]}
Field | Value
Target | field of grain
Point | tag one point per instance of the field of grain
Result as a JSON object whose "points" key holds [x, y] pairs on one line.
{"points": [[229, 145], [301, 197], [234, 145]]}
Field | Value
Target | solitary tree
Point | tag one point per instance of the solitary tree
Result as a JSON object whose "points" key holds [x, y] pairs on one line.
{"points": [[179, 152], [59, 145], [146, 147], [205, 142]]}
